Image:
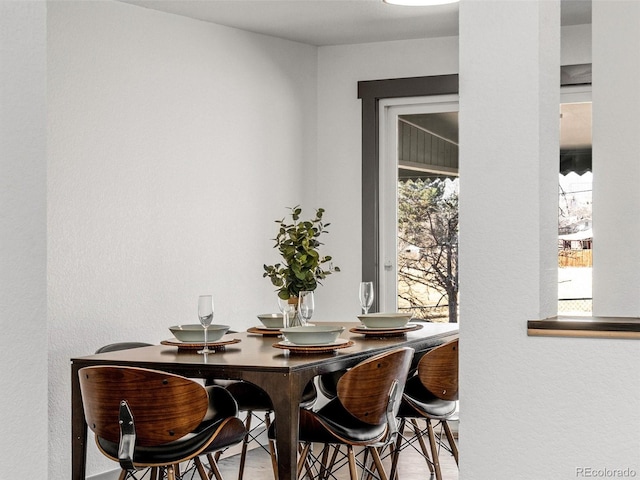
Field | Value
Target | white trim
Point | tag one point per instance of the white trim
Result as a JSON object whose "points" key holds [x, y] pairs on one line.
{"points": [[421, 167], [389, 110]]}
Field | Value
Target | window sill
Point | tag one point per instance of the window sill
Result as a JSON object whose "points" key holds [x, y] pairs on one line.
{"points": [[591, 327]]}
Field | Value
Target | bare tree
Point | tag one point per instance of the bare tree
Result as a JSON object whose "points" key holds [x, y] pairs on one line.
{"points": [[428, 242]]}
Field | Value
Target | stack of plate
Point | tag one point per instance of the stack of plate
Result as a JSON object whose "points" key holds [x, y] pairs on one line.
{"points": [[195, 333], [312, 335], [385, 320]]}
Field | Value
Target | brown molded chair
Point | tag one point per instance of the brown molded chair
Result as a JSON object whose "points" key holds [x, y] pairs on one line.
{"points": [[431, 394], [363, 414], [147, 418], [114, 347]]}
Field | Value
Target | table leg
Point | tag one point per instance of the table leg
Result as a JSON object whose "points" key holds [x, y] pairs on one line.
{"points": [[286, 412], [78, 429]]}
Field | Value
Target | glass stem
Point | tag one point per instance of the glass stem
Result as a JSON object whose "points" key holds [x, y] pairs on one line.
{"points": [[205, 339]]}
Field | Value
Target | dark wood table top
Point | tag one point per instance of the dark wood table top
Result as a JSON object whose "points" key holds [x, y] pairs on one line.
{"points": [[256, 352]]}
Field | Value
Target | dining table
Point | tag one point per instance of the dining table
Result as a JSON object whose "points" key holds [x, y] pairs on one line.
{"points": [[260, 359]]}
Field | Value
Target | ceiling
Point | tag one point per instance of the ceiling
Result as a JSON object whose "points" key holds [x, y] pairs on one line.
{"points": [[341, 22], [336, 22]]}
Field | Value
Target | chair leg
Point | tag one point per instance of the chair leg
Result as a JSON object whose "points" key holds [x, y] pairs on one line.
{"points": [[324, 471], [451, 440], [376, 459], [307, 465], [201, 471], [352, 463], [365, 469], [213, 460], [123, 474], [272, 447], [332, 462], [171, 474], [245, 444], [395, 454], [216, 470], [154, 473], [423, 446], [302, 461], [434, 450]]}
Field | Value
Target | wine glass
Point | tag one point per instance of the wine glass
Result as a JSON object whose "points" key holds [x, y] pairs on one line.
{"points": [[366, 296], [282, 303], [205, 314], [289, 315], [305, 306]]}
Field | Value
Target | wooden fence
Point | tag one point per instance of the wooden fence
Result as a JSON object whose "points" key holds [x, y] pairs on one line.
{"points": [[575, 258]]}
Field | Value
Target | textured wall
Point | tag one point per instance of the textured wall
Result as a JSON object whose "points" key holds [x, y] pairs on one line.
{"points": [[531, 408], [23, 349], [616, 136], [173, 145], [145, 114]]}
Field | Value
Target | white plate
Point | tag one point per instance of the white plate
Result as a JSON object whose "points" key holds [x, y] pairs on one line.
{"points": [[339, 341], [385, 320], [407, 326], [277, 329]]}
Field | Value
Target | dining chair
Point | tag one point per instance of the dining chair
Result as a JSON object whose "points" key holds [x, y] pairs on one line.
{"points": [[147, 418], [431, 395], [328, 383], [151, 473], [114, 347], [363, 414]]}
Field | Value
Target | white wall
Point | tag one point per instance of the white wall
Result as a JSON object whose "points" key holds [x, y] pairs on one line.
{"points": [[531, 408], [616, 158], [173, 145], [23, 316]]}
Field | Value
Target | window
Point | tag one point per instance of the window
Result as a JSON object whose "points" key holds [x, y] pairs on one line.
{"points": [[419, 207], [575, 230]]}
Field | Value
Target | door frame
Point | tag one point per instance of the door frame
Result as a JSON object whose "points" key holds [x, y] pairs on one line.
{"points": [[390, 111], [371, 92]]}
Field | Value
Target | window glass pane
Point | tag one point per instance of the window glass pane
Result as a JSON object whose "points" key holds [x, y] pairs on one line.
{"points": [[427, 216], [575, 232]]}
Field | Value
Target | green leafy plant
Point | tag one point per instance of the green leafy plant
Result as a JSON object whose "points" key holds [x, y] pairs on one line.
{"points": [[302, 267]]}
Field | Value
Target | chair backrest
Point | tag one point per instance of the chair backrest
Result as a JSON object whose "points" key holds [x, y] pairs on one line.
{"points": [[114, 347], [365, 389], [165, 407], [438, 370]]}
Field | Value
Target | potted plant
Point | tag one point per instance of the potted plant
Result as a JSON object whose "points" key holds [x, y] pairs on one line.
{"points": [[302, 267]]}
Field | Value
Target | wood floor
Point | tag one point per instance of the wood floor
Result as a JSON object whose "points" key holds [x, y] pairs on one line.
{"points": [[258, 467], [411, 467]]}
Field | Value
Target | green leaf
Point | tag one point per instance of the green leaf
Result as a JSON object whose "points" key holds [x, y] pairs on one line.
{"points": [[298, 245]]}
